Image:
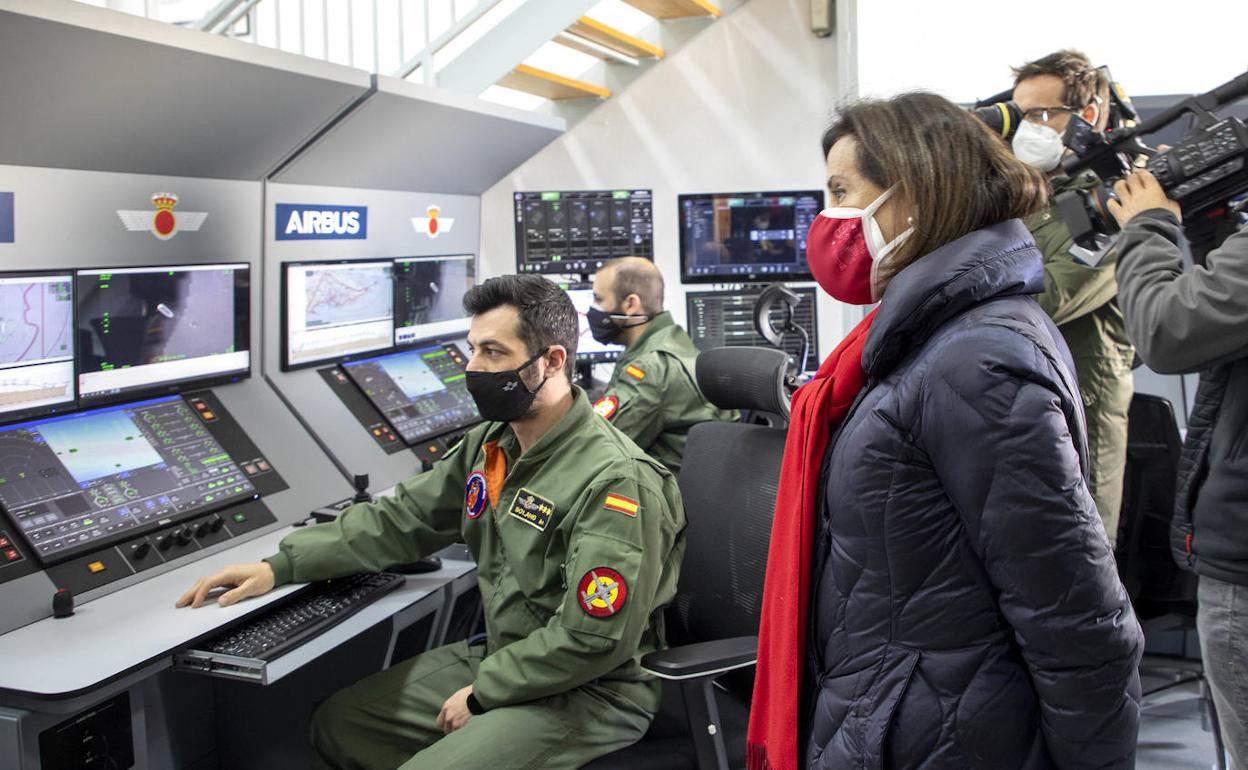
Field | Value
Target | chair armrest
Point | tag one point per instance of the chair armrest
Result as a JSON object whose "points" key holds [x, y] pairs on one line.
{"points": [[695, 661]]}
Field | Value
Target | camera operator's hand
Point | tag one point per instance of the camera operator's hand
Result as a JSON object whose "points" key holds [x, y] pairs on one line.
{"points": [[1137, 193]]}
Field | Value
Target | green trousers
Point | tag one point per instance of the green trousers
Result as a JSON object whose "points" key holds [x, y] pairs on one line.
{"points": [[388, 721]]}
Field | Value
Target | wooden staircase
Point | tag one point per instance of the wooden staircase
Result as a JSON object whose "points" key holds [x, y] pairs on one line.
{"points": [[612, 46]]}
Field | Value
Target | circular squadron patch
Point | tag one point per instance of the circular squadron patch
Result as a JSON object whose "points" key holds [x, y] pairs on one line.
{"points": [[606, 406], [602, 592], [475, 494]]}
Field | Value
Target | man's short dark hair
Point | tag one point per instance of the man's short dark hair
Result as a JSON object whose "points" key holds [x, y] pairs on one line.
{"points": [[1082, 82], [634, 275], [547, 315]]}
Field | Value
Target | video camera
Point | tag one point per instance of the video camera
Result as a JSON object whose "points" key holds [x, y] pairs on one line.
{"points": [[1203, 172]]}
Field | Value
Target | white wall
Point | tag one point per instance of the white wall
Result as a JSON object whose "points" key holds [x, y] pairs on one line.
{"points": [[964, 49], [740, 107]]}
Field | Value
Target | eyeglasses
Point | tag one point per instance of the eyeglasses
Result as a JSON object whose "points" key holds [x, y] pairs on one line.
{"points": [[1045, 114]]}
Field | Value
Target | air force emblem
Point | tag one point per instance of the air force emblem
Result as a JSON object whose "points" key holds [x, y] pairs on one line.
{"points": [[162, 223]]}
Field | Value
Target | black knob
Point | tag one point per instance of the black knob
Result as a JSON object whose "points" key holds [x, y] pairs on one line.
{"points": [[62, 603], [140, 550], [361, 489], [216, 523], [201, 529], [183, 535], [164, 542]]}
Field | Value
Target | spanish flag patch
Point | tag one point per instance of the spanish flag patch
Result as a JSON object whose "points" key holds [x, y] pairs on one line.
{"points": [[622, 504], [635, 372]]}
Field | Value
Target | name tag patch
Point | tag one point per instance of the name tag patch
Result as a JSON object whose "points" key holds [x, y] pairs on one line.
{"points": [[532, 509]]}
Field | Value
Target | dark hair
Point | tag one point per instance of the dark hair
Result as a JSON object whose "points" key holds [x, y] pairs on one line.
{"points": [[1083, 82], [945, 163], [634, 275], [547, 315]]}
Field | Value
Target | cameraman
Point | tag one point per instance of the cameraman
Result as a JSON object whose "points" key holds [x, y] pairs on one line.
{"points": [[1187, 321], [1080, 297]]}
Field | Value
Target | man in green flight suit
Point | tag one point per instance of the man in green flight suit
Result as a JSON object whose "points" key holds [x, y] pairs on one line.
{"points": [[653, 395], [1080, 293], [578, 539]]}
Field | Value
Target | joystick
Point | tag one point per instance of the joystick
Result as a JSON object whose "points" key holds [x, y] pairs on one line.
{"points": [[62, 603], [361, 489]]}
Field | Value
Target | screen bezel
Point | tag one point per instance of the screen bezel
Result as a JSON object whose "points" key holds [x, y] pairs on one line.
{"points": [[394, 303], [756, 290], [685, 278], [72, 404], [284, 311], [561, 268], [242, 335], [430, 343], [106, 541]]}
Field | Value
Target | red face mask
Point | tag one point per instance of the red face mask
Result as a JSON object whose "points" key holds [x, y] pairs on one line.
{"points": [[845, 248]]}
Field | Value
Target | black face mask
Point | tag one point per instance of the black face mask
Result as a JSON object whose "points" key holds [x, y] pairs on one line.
{"points": [[607, 331], [502, 396]]}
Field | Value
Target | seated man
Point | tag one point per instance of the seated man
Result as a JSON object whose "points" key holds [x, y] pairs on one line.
{"points": [[653, 395], [578, 541]]}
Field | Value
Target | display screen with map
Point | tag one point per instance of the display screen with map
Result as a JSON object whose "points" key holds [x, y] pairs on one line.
{"points": [[156, 329], [335, 310], [36, 343]]}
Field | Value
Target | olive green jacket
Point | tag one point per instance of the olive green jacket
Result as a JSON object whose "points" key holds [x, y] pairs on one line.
{"points": [[653, 395], [1082, 301], [578, 544]]}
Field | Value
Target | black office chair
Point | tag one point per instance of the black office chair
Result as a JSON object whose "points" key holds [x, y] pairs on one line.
{"points": [[728, 481], [1164, 595]]}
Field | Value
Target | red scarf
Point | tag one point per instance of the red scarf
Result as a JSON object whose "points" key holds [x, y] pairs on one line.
{"points": [[818, 408]]}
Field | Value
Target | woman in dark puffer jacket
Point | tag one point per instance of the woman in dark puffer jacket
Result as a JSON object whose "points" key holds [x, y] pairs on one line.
{"points": [[962, 607]]}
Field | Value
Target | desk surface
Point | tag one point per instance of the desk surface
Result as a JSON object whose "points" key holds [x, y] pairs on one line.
{"points": [[122, 631]]}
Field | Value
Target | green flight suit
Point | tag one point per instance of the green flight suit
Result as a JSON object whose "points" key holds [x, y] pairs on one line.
{"points": [[578, 544], [1083, 303], [653, 395]]}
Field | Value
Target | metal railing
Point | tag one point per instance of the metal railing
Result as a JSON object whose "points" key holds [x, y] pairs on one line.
{"points": [[399, 37]]}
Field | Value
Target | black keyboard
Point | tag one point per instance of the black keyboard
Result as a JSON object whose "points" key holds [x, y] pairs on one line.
{"points": [[309, 614]]}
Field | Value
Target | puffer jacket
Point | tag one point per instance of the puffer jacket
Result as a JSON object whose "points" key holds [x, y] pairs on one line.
{"points": [[967, 609]]}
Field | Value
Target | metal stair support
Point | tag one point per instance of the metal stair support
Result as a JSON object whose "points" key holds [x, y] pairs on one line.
{"points": [[496, 53]]}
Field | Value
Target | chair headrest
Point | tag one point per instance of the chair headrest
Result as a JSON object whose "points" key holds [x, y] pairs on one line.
{"points": [[745, 378]]}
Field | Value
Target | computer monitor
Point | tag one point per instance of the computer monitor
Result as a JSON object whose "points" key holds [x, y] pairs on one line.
{"points": [[589, 349], [420, 391], [755, 236], [77, 482], [335, 310], [36, 343], [576, 232], [726, 319], [147, 330], [429, 296]]}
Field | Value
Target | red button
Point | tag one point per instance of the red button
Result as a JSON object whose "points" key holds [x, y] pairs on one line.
{"points": [[4, 542], [12, 555], [200, 405], [263, 466]]}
